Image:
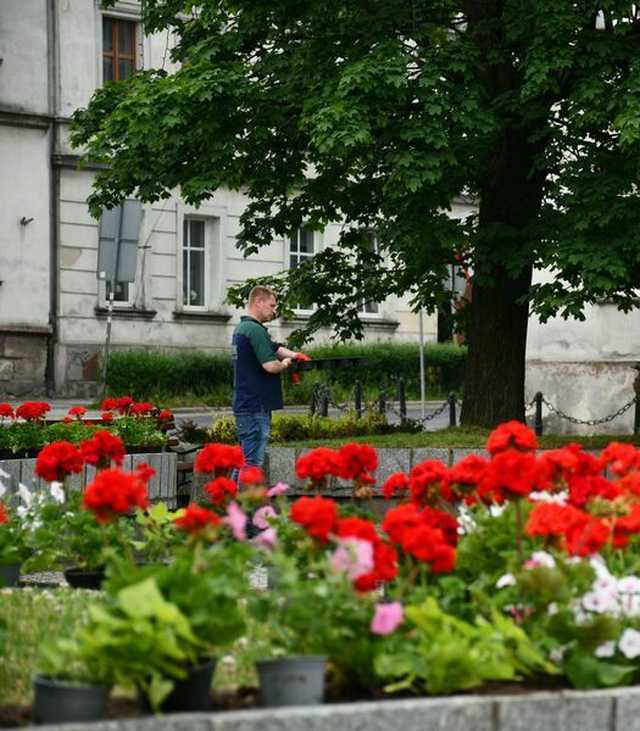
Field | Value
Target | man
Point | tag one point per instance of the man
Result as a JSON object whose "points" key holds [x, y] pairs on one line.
{"points": [[257, 364]]}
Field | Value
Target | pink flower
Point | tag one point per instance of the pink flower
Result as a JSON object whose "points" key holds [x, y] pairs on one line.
{"points": [[237, 521], [354, 557], [267, 538], [278, 489], [387, 618], [262, 515]]}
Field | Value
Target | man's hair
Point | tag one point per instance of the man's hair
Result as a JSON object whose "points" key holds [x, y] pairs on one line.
{"points": [[260, 292]]}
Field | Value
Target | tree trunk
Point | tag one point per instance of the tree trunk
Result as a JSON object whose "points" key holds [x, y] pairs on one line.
{"points": [[510, 202]]}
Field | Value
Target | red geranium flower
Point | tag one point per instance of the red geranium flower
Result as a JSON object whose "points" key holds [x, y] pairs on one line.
{"points": [[219, 459], [102, 449], [57, 460], [114, 493], [429, 482], [123, 404], [106, 416], [220, 489], [165, 415], [620, 458], [397, 482], [385, 567], [398, 520], [77, 411], [6, 411], [251, 476], [442, 520], [553, 519], [355, 460], [625, 526], [512, 435], [469, 472], [32, 410], [588, 538], [357, 528], [316, 515], [582, 489], [512, 472], [196, 519], [429, 545], [318, 464], [145, 472], [141, 409], [109, 404], [4, 517]]}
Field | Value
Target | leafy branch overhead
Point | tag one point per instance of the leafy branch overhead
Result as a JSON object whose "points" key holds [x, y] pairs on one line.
{"points": [[381, 116]]}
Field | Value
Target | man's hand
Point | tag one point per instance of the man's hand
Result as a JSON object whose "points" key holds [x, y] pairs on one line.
{"points": [[286, 362], [277, 366]]}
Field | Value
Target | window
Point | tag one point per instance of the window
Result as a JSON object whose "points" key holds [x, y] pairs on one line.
{"points": [[121, 293], [370, 308], [194, 264], [301, 249], [118, 49]]}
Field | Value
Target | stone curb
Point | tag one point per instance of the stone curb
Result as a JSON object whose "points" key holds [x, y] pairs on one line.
{"points": [[600, 710]]}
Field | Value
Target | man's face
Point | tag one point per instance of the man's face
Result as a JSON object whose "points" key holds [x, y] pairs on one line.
{"points": [[266, 308]]}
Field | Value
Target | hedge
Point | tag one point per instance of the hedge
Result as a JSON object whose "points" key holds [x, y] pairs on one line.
{"points": [[144, 374]]}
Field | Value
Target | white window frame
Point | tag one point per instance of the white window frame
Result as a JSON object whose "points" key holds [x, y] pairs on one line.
{"points": [[206, 249], [317, 241], [125, 304], [214, 218], [378, 305]]}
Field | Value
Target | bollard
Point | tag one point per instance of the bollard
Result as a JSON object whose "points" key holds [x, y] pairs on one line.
{"points": [[636, 417], [382, 403], [402, 400], [357, 397], [324, 404], [313, 403], [452, 409], [537, 425]]}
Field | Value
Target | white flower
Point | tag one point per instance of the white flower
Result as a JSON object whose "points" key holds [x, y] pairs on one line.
{"points": [[606, 649], [556, 654], [22, 511], [629, 585], [542, 496], [57, 493], [601, 602], [543, 559], [3, 489], [497, 510], [629, 643], [599, 566], [552, 609], [25, 495], [506, 580], [629, 604]]}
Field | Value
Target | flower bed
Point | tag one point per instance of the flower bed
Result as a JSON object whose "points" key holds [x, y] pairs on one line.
{"points": [[515, 567]]}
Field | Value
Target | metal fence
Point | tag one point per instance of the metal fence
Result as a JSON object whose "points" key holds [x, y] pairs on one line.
{"points": [[322, 400]]}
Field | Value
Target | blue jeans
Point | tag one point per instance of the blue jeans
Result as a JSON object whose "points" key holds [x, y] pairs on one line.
{"points": [[253, 435]]}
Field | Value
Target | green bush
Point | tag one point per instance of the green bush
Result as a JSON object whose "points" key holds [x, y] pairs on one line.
{"points": [[298, 427], [164, 376]]}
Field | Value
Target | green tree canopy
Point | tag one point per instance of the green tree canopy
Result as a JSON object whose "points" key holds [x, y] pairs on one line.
{"points": [[381, 114]]}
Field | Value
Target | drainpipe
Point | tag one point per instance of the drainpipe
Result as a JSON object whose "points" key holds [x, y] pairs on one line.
{"points": [[54, 188]]}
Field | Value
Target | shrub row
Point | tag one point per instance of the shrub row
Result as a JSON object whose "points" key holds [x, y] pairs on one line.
{"points": [[159, 374]]}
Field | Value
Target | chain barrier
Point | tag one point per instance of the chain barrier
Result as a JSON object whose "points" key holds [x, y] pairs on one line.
{"points": [[589, 422], [530, 405], [420, 420]]}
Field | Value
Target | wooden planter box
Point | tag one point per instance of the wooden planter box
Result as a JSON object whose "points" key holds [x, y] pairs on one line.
{"points": [[161, 487]]}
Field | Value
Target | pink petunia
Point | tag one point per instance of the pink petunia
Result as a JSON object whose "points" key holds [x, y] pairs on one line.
{"points": [[262, 515], [354, 557], [278, 489], [267, 538], [387, 618], [236, 519]]}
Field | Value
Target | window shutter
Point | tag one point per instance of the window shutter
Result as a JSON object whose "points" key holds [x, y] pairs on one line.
{"points": [[118, 242]]}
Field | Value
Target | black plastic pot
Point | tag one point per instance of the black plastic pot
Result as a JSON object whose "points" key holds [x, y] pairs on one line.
{"points": [[292, 681], [84, 578], [9, 574], [61, 701], [191, 693]]}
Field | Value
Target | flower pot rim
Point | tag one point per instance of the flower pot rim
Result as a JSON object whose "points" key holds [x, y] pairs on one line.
{"points": [[52, 681], [292, 658]]}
